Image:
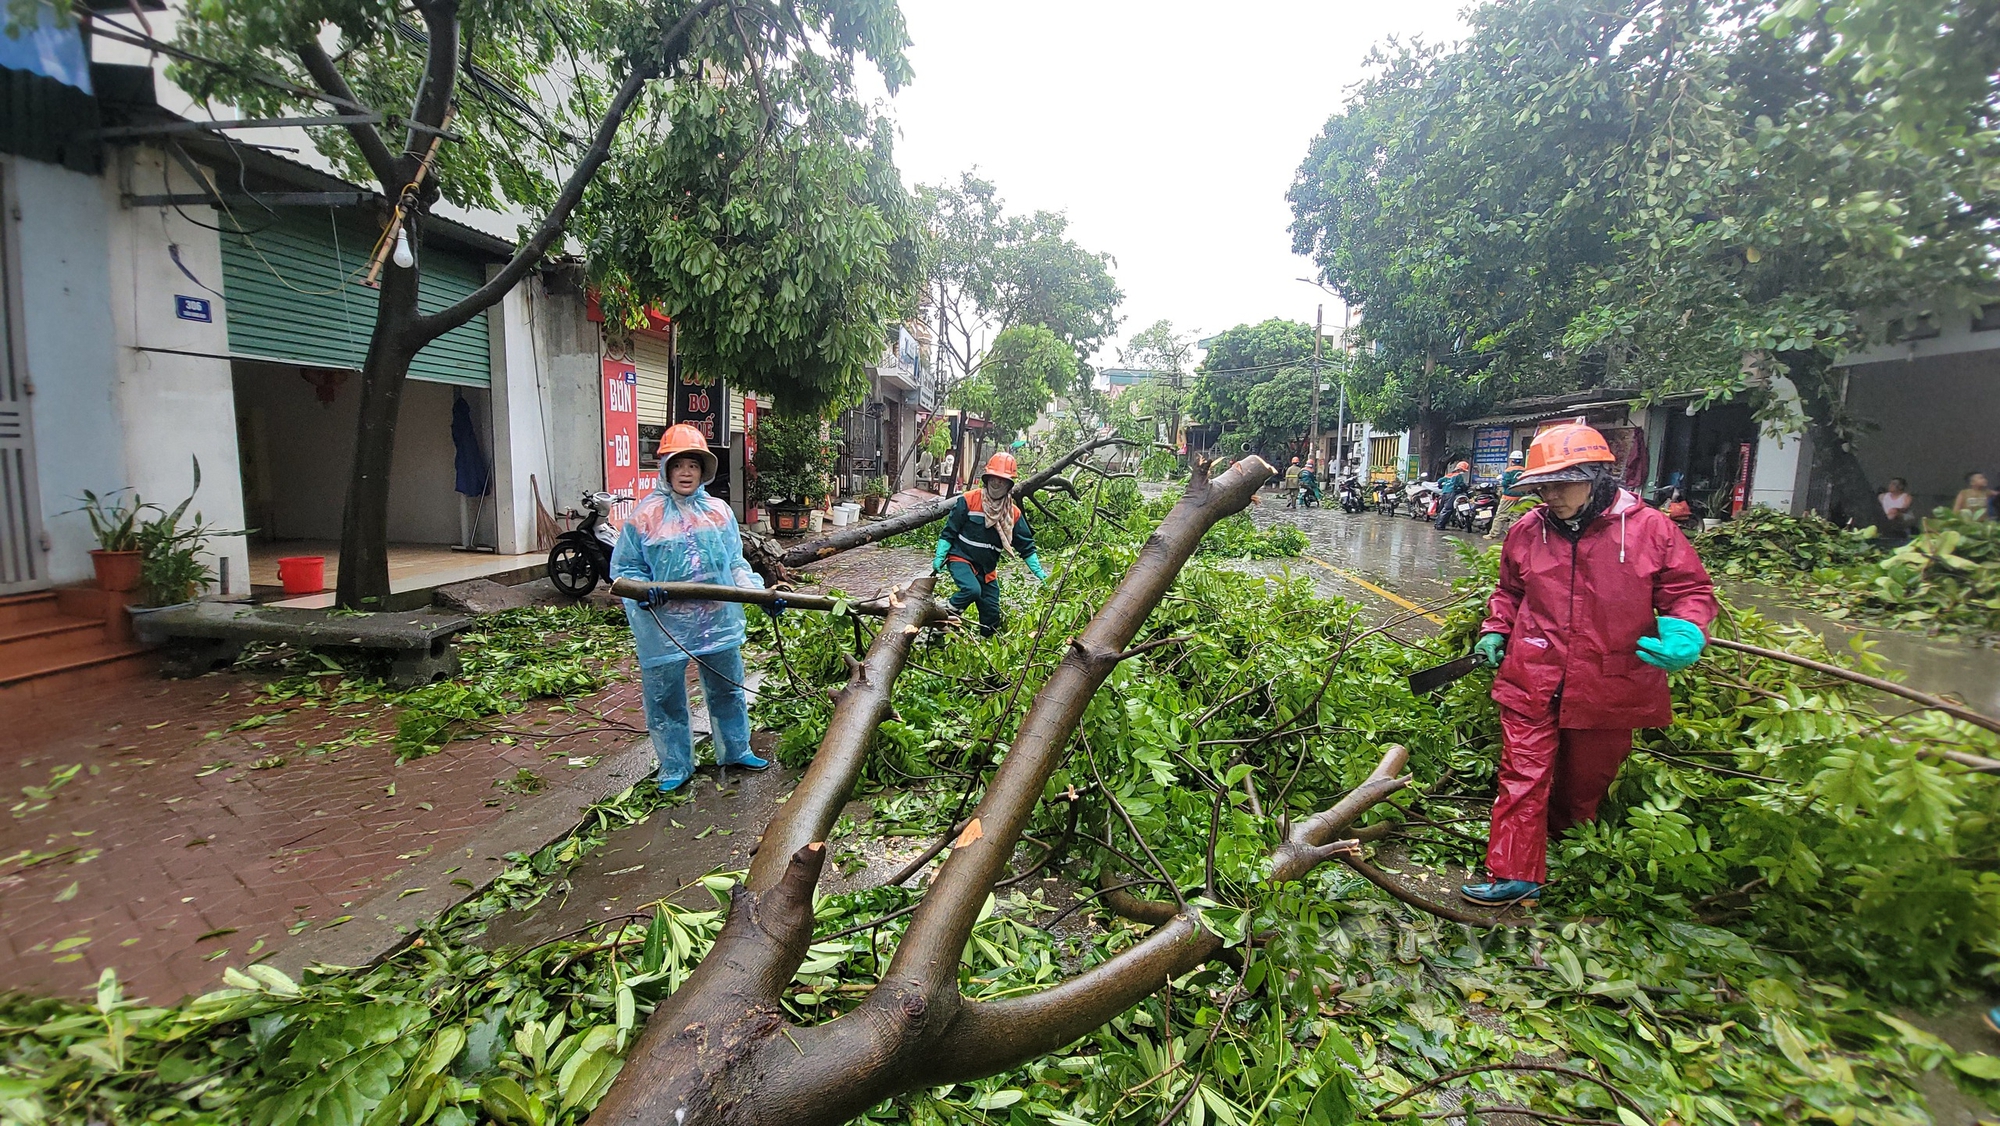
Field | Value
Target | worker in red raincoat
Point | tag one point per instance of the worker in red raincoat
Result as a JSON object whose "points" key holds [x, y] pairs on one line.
{"points": [[1600, 597]]}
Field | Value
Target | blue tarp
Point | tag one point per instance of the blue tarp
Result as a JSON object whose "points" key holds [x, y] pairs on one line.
{"points": [[48, 49]]}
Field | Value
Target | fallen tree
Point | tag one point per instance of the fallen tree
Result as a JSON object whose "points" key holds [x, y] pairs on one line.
{"points": [[721, 1050], [916, 516]]}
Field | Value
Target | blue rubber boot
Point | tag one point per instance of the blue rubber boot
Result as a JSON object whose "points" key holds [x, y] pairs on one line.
{"points": [[1502, 893]]}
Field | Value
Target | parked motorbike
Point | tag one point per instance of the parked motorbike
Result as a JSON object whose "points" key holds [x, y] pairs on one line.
{"points": [[581, 557], [1485, 502], [1351, 499], [1423, 496], [1388, 495]]}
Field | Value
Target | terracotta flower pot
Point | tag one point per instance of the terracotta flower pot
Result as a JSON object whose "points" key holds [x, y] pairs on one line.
{"points": [[872, 506], [117, 570]]}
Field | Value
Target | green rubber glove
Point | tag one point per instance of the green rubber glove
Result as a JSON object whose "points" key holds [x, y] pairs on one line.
{"points": [[1490, 648], [1034, 563], [1678, 645], [943, 550]]}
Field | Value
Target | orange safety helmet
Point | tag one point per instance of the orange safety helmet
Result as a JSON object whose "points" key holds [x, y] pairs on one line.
{"points": [[682, 438], [1462, 467], [1565, 446], [1002, 464]]}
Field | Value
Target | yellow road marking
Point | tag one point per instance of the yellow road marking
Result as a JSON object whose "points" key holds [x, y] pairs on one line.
{"points": [[1357, 580]]}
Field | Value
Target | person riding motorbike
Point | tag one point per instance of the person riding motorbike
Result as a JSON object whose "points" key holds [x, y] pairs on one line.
{"points": [[1308, 485], [1600, 597], [983, 525], [679, 533], [1459, 480]]}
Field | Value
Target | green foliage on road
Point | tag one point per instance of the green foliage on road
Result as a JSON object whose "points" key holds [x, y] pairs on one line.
{"points": [[1745, 936], [509, 659], [1945, 579]]}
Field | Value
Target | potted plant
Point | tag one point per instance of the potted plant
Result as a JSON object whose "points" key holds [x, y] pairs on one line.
{"points": [[794, 467], [171, 571], [874, 496], [114, 520]]}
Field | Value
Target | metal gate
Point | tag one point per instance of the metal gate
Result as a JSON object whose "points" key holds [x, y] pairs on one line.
{"points": [[22, 566]]}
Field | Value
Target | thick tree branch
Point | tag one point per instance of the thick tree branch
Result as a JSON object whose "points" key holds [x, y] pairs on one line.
{"points": [[672, 45], [990, 1036], [926, 962], [1303, 848], [366, 138], [440, 81], [810, 812]]}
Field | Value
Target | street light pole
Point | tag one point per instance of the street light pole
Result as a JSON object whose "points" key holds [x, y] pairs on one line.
{"points": [[1340, 431], [1319, 318]]}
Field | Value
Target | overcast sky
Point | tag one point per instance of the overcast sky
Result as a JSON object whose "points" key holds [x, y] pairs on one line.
{"points": [[1168, 131]]}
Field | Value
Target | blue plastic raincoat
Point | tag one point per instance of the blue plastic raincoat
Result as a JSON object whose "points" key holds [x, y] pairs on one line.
{"points": [[676, 539]]}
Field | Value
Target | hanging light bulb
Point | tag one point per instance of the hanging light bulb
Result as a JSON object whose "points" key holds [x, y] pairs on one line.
{"points": [[403, 258]]}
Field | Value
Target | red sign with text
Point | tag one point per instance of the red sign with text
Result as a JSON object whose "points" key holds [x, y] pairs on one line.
{"points": [[621, 427]]}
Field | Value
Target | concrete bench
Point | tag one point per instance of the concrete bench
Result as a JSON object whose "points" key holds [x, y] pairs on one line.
{"points": [[418, 643]]}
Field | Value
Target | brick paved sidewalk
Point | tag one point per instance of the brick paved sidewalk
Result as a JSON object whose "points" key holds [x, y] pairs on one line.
{"points": [[171, 828]]}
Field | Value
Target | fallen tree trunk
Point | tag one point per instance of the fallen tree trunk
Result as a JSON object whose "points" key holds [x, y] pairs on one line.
{"points": [[856, 535], [720, 1052], [880, 606]]}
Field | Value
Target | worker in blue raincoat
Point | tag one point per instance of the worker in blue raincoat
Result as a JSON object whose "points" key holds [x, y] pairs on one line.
{"points": [[679, 533]]}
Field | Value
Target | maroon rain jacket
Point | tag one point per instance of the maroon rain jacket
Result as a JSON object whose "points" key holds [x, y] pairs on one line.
{"points": [[1573, 614]]}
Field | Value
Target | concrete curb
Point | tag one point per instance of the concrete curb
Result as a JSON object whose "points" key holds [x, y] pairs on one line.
{"points": [[382, 925]]}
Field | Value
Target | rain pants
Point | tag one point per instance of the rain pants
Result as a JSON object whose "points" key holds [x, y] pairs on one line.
{"points": [[1571, 687]]}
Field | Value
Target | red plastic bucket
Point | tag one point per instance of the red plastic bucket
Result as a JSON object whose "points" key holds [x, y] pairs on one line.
{"points": [[302, 574]]}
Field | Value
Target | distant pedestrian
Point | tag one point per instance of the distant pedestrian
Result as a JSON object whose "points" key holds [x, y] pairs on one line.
{"points": [[1975, 498], [1512, 507], [679, 533], [1896, 503]]}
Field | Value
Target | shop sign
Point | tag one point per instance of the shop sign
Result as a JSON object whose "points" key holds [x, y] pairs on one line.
{"points": [[1491, 445], [621, 427]]}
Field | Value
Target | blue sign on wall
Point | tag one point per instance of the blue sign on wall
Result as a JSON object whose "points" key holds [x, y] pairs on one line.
{"points": [[192, 309]]}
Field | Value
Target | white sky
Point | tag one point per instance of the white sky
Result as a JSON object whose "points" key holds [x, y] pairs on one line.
{"points": [[1169, 131]]}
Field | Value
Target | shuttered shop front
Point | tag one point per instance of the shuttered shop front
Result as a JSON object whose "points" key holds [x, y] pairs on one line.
{"points": [[295, 296]]}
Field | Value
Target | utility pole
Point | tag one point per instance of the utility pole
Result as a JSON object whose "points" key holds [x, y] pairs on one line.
{"points": [[1340, 431], [1319, 319]]}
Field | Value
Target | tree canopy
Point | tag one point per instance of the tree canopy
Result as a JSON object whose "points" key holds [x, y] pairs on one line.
{"points": [[1241, 358], [752, 195], [991, 271], [1165, 353], [1700, 197], [1026, 368]]}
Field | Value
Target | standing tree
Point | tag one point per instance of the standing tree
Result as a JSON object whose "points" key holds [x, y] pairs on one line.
{"points": [[1163, 353], [1241, 359], [463, 76], [1024, 370], [990, 272], [1718, 197]]}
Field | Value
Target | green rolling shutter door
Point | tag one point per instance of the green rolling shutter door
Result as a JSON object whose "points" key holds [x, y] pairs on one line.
{"points": [[294, 295]]}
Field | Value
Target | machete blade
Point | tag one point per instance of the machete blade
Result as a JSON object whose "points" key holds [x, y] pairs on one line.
{"points": [[1436, 677]]}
